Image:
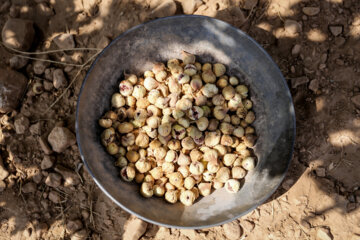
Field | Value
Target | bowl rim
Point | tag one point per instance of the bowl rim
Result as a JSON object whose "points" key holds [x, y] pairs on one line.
{"points": [[292, 112]]}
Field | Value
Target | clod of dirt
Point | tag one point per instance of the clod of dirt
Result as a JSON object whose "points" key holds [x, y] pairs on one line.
{"points": [[54, 197], [21, 124], [69, 176], [323, 234], [356, 101], [3, 172], [59, 79], [336, 30], [61, 138], [47, 162], [2, 185], [53, 180], [166, 8], [295, 82], [134, 228], [248, 226], [37, 178], [73, 225], [189, 233], [295, 51], [250, 4], [80, 235], [29, 187], [292, 27], [18, 34], [40, 229], [44, 146], [314, 85], [12, 87], [190, 6], [64, 41], [232, 230], [311, 11], [17, 62], [103, 42], [43, 9], [35, 129], [40, 66]]}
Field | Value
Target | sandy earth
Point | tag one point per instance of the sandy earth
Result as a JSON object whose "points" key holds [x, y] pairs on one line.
{"points": [[319, 55]]}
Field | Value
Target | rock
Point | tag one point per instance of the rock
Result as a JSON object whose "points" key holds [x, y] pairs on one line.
{"points": [[166, 8], [70, 177], [336, 30], [44, 146], [37, 178], [2, 185], [103, 43], [314, 85], [49, 74], [29, 187], [287, 184], [134, 228], [188, 6], [21, 124], [339, 41], [17, 62], [54, 197], [250, 4], [40, 66], [47, 162], [73, 225], [53, 180], [4, 7], [248, 226], [64, 41], [189, 233], [295, 82], [35, 129], [295, 51], [232, 230], [356, 101], [12, 87], [323, 234], [3, 172], [292, 27], [59, 79], [79, 235], [48, 86], [311, 11], [61, 138], [18, 34]]}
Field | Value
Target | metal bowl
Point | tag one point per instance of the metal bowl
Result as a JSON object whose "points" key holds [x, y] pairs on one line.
{"points": [[212, 41]]}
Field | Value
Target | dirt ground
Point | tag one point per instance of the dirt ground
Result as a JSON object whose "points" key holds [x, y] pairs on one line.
{"points": [[318, 51]]}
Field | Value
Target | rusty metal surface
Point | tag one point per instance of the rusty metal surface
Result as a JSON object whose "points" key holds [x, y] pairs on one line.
{"points": [[212, 41]]}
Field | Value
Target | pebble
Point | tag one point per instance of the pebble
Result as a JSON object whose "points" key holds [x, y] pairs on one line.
{"points": [[29, 187], [12, 87], [53, 180], [59, 79], [64, 41], [339, 41], [40, 66], [248, 226], [292, 26], [295, 51], [188, 6], [189, 233], [323, 234], [311, 11], [44, 146], [2, 185], [54, 196], [48, 86], [18, 34], [295, 82], [35, 129], [21, 124], [314, 85], [69, 176], [336, 30], [249, 4], [134, 228], [73, 225], [61, 138], [3, 172], [17, 62], [232, 230], [37, 178], [49, 74], [47, 162], [166, 8], [79, 235]]}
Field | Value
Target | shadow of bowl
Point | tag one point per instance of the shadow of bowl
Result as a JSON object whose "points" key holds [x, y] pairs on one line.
{"points": [[212, 41]]}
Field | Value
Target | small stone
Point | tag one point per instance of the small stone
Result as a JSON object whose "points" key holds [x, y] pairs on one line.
{"points": [[287, 184], [336, 30], [44, 146], [61, 138], [59, 79], [3, 172], [68, 69], [2, 185], [323, 234], [134, 228], [37, 178], [17, 62], [29, 187], [166, 8], [47, 162], [188, 6], [103, 42], [64, 41], [339, 41], [250, 4], [12, 87], [18, 34], [314, 85], [35, 129], [79, 235], [70, 177], [53, 180], [292, 27], [48, 86], [49, 74], [295, 51], [232, 230], [295, 82], [85, 214], [248, 226], [21, 124], [73, 225], [189, 233], [54, 197], [40, 66], [311, 11]]}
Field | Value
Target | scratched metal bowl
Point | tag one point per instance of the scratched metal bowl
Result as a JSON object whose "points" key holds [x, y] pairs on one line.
{"points": [[212, 41]]}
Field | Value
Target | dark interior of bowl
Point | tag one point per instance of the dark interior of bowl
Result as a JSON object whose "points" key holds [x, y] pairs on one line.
{"points": [[212, 41]]}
